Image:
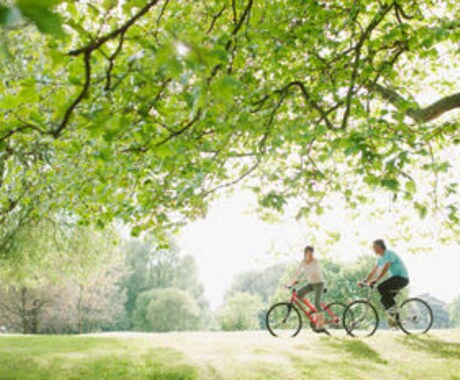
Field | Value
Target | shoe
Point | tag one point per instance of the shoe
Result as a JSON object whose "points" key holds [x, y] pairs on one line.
{"points": [[320, 330], [393, 317]]}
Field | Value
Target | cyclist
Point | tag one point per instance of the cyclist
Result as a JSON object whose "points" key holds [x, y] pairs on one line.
{"points": [[310, 267], [388, 261]]}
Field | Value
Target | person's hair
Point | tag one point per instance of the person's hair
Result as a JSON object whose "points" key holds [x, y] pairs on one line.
{"points": [[380, 243], [309, 248]]}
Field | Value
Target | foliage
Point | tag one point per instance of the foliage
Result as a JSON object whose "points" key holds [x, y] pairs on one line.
{"points": [[167, 309], [144, 109], [262, 283], [240, 312], [60, 278], [153, 267]]}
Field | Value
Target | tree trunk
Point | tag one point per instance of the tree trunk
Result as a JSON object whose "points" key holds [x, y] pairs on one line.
{"points": [[24, 316]]}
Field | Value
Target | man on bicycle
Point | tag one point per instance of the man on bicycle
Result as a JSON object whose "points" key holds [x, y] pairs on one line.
{"points": [[388, 261]]}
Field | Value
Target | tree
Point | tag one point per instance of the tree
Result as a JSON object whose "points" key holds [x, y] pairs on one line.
{"points": [[240, 312], [143, 111], [61, 278], [153, 267], [168, 309], [21, 308], [454, 312], [261, 283]]}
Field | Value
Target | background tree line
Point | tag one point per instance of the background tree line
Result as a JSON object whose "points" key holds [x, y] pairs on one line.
{"points": [[58, 277], [86, 281]]}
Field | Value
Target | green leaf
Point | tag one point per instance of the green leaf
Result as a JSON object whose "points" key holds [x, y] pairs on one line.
{"points": [[4, 13], [39, 12]]}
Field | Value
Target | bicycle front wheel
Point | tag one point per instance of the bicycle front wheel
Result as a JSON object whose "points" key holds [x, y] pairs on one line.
{"points": [[415, 316], [360, 319], [283, 320]]}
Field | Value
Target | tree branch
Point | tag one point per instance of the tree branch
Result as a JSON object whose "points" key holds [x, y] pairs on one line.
{"points": [[215, 17], [20, 129], [311, 101], [383, 11], [79, 98], [111, 62], [100, 41], [415, 112]]}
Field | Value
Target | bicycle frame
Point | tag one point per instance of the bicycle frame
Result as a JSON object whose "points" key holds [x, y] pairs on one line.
{"points": [[304, 303]]}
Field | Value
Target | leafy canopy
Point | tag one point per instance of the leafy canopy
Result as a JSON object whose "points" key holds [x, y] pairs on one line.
{"points": [[142, 110]]}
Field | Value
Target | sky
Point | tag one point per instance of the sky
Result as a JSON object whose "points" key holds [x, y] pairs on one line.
{"points": [[232, 238]]}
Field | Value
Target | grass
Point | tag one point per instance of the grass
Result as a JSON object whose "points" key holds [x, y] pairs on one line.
{"points": [[59, 357], [222, 356]]}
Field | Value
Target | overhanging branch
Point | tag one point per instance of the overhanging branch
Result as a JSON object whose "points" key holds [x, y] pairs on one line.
{"points": [[100, 41], [413, 110]]}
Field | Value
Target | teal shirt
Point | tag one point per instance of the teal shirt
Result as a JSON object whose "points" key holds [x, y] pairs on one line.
{"points": [[397, 267]]}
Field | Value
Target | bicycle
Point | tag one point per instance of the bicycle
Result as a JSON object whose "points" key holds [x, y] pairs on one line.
{"points": [[413, 316], [283, 319]]}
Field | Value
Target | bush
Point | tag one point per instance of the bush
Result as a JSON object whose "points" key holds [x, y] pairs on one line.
{"points": [[241, 312], [168, 309]]}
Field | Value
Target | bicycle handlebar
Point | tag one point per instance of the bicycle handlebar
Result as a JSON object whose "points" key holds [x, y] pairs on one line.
{"points": [[363, 284]]}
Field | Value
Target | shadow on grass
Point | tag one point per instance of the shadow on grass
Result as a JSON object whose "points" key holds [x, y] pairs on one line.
{"points": [[357, 349], [449, 350]]}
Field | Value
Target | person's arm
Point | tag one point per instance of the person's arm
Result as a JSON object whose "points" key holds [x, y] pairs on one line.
{"points": [[296, 276], [371, 275], [383, 272]]}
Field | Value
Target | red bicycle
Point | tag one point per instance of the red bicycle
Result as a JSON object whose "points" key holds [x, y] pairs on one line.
{"points": [[283, 319]]}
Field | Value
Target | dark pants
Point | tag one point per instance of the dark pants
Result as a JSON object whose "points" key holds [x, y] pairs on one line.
{"points": [[389, 288]]}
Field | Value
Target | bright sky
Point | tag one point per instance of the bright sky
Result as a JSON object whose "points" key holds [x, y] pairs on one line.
{"points": [[232, 239]]}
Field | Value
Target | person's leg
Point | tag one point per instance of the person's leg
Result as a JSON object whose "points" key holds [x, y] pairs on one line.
{"points": [[389, 288], [318, 288], [385, 296], [304, 290]]}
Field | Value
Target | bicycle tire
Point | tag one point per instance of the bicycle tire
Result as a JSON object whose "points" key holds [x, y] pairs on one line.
{"points": [[288, 305], [430, 316], [348, 311], [330, 306]]}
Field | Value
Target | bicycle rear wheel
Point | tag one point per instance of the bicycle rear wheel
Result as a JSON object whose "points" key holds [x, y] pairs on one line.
{"points": [[360, 319], [333, 315], [415, 316], [283, 320]]}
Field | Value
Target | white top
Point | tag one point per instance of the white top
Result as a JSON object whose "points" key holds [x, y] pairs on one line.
{"points": [[312, 271]]}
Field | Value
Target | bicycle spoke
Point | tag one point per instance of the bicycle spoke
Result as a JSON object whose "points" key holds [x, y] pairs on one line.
{"points": [[360, 319], [415, 316], [283, 320], [333, 314]]}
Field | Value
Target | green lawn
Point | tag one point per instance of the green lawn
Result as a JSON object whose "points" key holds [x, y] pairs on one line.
{"points": [[250, 355]]}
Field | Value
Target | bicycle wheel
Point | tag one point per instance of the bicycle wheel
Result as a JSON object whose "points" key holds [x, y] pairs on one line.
{"points": [[283, 320], [360, 319], [415, 316], [333, 315]]}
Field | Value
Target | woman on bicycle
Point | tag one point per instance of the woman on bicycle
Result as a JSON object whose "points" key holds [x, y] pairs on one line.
{"points": [[310, 267]]}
